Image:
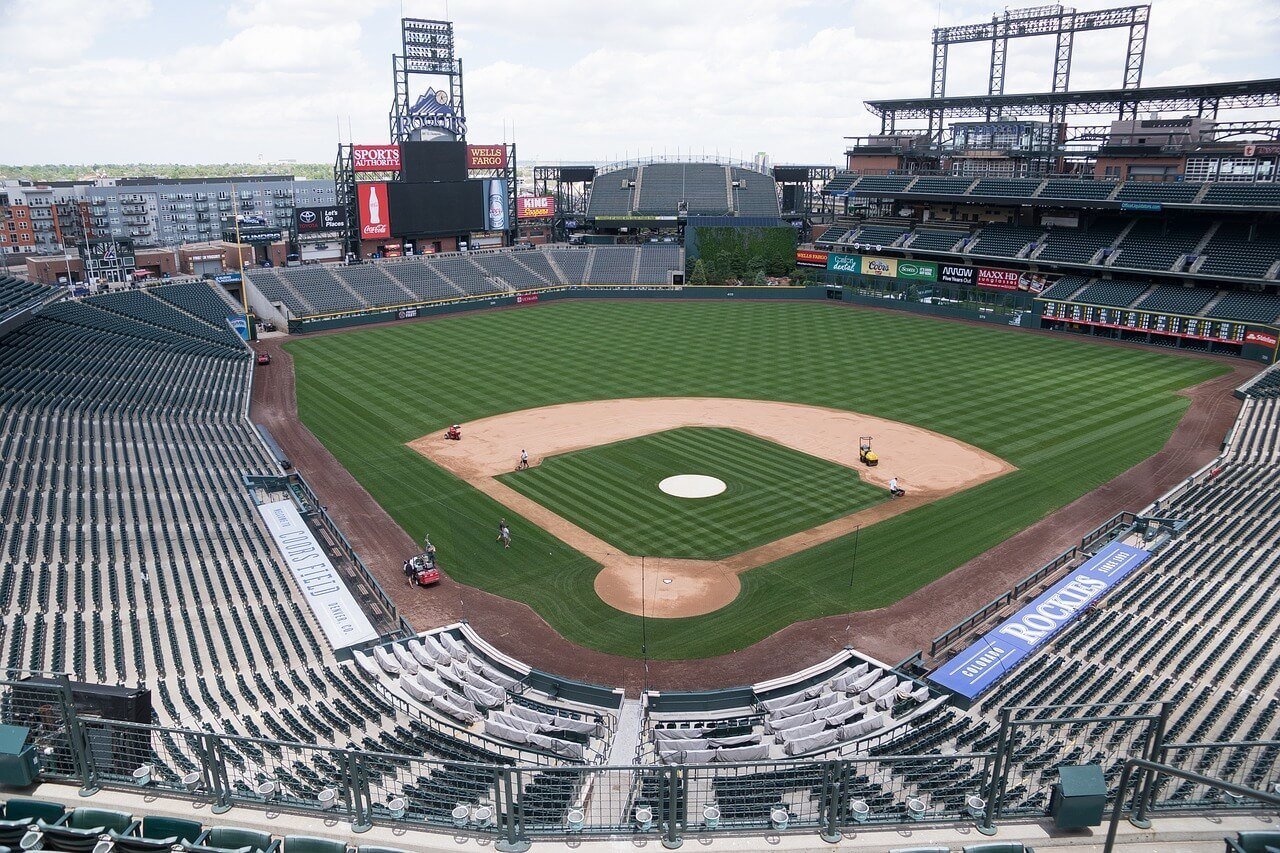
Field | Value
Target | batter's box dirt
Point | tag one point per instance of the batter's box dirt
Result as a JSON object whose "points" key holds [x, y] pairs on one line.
{"points": [[929, 465]]}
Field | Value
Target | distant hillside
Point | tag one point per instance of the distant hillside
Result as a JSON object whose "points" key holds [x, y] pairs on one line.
{"points": [[82, 171]]}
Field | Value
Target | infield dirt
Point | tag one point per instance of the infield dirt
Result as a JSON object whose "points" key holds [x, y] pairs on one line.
{"points": [[929, 465]]}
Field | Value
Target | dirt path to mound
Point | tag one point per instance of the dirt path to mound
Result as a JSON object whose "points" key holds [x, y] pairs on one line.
{"points": [[929, 465], [890, 634]]}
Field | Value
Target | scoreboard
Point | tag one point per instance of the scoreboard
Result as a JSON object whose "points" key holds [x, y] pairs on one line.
{"points": [[1202, 328]]}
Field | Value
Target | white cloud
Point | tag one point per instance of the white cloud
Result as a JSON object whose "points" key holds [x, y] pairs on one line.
{"points": [[577, 80]]}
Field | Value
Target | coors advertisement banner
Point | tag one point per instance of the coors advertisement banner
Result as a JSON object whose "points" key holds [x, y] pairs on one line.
{"points": [[375, 221], [375, 158], [486, 156], [309, 219]]}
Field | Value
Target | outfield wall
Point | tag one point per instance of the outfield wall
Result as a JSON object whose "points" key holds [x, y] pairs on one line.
{"points": [[1016, 310]]}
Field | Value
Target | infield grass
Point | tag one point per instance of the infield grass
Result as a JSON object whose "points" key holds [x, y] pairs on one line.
{"points": [[1070, 414], [771, 491]]}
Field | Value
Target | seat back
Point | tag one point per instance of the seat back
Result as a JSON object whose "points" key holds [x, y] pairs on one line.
{"points": [[235, 837], [311, 844], [998, 847], [173, 829], [33, 810], [100, 819], [1258, 840]]}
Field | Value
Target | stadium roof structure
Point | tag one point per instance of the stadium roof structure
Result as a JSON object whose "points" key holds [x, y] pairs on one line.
{"points": [[1202, 98]]}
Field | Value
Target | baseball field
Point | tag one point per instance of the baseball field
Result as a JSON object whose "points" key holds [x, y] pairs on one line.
{"points": [[1061, 416]]}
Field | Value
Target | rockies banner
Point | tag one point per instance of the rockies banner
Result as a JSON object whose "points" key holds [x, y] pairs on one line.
{"points": [[995, 655]]}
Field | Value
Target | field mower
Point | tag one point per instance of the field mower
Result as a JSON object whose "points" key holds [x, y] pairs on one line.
{"points": [[422, 570], [866, 455], [454, 433]]}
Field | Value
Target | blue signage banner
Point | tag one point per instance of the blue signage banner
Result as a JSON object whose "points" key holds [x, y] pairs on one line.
{"points": [[997, 653], [239, 325], [227, 278]]}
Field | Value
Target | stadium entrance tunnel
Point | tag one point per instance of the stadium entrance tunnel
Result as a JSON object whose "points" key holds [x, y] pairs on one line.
{"points": [[928, 465]]}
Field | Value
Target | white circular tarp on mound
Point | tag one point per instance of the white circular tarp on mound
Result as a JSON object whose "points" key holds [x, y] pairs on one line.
{"points": [[692, 486]]}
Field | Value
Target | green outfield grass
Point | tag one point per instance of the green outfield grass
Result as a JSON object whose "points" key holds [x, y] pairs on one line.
{"points": [[771, 491], [1070, 414]]}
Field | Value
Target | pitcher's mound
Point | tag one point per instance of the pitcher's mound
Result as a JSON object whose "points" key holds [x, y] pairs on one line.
{"points": [[692, 486]]}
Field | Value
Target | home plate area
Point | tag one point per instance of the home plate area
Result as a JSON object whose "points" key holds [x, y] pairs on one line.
{"points": [[773, 479]]}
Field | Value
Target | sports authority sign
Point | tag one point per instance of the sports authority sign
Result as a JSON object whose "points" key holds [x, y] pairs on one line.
{"points": [[374, 221], [535, 207], [333, 605], [994, 655], [486, 156], [375, 158]]}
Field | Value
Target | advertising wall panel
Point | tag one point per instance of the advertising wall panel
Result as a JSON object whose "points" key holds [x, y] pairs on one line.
{"points": [[918, 271], [845, 263], [375, 212], [995, 279], [955, 274], [334, 607], [486, 156], [495, 204], [811, 257], [535, 207], [883, 267], [310, 219], [997, 653], [375, 158]]}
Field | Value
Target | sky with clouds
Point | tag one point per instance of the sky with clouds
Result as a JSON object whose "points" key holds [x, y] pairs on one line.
{"points": [[89, 81]]}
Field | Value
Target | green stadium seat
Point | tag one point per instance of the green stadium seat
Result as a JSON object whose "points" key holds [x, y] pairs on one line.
{"points": [[80, 830], [310, 844], [20, 815], [157, 834], [1254, 841]]}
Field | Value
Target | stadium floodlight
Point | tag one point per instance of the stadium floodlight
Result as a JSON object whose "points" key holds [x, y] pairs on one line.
{"points": [[644, 818], [711, 816]]}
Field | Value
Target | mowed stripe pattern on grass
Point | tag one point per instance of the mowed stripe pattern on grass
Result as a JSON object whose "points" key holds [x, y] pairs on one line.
{"points": [[1069, 413], [772, 491]]}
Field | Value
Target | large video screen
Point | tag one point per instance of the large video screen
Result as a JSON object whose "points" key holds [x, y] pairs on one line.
{"points": [[449, 207], [433, 161]]}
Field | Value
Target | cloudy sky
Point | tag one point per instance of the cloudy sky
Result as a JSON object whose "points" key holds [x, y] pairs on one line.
{"points": [[200, 82]]}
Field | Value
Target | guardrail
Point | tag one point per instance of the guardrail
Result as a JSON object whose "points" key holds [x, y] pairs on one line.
{"points": [[514, 804], [1037, 579]]}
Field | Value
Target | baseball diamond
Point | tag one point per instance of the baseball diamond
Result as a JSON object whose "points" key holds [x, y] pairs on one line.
{"points": [[983, 387], [881, 492]]}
